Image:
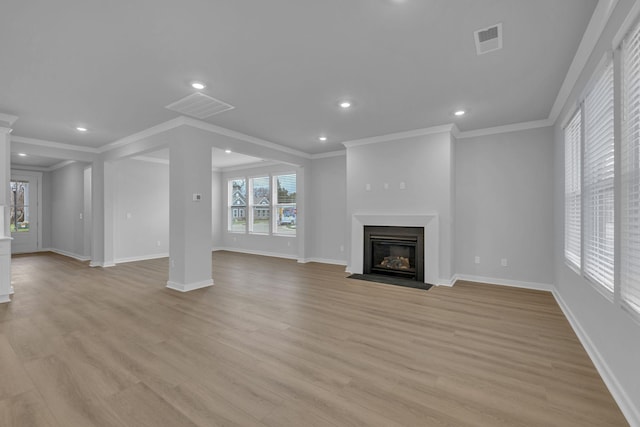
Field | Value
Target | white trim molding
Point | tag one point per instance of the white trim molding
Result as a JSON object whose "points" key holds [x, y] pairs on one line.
{"points": [[627, 405], [8, 118], [505, 282], [252, 252], [187, 287], [400, 135], [77, 257], [52, 144], [516, 127], [323, 261], [140, 258], [594, 30], [431, 226]]}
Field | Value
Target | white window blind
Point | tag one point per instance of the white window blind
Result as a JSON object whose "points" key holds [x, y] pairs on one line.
{"points": [[598, 182], [573, 190], [630, 174]]}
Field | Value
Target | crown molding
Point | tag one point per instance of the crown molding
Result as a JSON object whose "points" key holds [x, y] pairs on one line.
{"points": [[147, 133], [51, 144], [329, 154], [506, 129], [44, 169], [399, 135], [594, 30], [149, 159], [198, 124], [8, 118]]}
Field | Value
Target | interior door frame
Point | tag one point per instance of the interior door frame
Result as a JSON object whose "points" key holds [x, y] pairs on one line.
{"points": [[37, 176]]}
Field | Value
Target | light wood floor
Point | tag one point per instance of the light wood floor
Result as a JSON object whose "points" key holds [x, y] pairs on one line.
{"points": [[276, 343]]}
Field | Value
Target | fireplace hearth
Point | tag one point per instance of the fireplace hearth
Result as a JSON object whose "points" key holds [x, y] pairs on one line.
{"points": [[394, 251]]}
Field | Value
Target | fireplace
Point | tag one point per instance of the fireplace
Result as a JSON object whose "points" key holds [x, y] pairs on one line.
{"points": [[394, 251]]}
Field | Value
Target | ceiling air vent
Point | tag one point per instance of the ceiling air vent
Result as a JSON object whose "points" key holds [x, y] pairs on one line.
{"points": [[199, 106], [488, 39]]}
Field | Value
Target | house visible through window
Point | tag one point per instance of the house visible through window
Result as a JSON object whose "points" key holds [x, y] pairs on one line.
{"points": [[19, 207], [263, 205], [260, 204], [237, 205], [285, 211]]}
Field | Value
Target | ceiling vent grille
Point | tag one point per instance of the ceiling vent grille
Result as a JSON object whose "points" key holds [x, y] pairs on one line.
{"points": [[488, 39], [199, 106]]}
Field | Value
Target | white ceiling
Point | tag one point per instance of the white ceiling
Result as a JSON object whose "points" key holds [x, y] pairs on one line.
{"points": [[283, 64]]}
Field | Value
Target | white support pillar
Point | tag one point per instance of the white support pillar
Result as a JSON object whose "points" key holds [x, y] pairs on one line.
{"points": [[5, 234], [189, 215], [102, 178]]}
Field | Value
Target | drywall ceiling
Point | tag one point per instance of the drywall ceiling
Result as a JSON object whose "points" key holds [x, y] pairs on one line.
{"points": [[284, 65]]}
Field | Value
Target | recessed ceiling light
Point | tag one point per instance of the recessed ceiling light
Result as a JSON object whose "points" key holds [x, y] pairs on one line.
{"points": [[81, 129], [323, 138], [198, 85], [345, 104], [227, 151], [22, 155], [459, 113]]}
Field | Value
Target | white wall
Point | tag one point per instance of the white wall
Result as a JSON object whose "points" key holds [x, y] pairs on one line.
{"points": [[609, 334], [141, 210], [282, 246], [504, 207], [327, 196], [66, 186], [424, 165]]}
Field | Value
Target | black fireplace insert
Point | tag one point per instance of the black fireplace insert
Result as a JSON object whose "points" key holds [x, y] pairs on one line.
{"points": [[394, 251]]}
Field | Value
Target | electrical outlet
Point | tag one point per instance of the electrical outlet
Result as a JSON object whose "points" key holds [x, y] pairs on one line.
{"points": [[158, 243], [477, 260], [341, 248], [503, 262]]}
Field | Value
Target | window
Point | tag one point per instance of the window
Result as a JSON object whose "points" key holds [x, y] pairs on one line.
{"points": [[263, 205], [237, 203], [598, 182], [630, 174], [19, 207], [260, 202], [573, 190], [285, 212]]}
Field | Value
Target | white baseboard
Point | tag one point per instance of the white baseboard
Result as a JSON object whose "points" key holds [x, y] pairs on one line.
{"points": [[505, 282], [323, 261], [253, 252], [141, 258], [102, 264], [67, 254], [186, 287], [627, 405]]}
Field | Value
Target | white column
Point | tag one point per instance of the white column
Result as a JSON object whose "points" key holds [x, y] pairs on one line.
{"points": [[102, 254], [189, 215], [5, 235]]}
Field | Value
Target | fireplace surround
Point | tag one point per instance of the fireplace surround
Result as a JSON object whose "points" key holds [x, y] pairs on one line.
{"points": [[429, 221], [394, 251]]}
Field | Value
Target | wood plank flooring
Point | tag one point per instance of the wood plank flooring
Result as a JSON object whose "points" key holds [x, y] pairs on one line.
{"points": [[277, 343]]}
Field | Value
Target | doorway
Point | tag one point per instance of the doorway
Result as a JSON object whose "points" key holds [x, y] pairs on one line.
{"points": [[24, 212]]}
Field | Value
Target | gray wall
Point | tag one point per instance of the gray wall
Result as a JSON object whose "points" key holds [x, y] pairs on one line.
{"points": [[610, 335], [504, 207], [66, 192], [141, 210], [283, 246], [327, 193]]}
